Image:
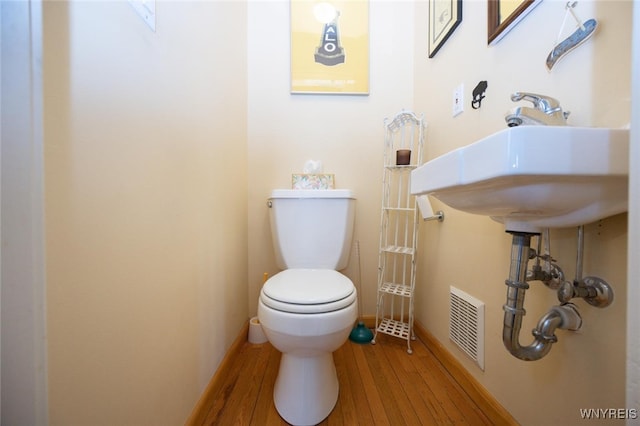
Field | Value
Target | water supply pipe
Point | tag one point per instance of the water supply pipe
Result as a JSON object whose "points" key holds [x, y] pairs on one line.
{"points": [[564, 316], [594, 290]]}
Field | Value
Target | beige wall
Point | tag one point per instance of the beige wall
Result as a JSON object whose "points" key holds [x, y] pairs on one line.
{"points": [[145, 202], [585, 369]]}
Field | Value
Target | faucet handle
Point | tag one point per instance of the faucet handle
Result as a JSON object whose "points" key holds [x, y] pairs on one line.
{"points": [[546, 104]]}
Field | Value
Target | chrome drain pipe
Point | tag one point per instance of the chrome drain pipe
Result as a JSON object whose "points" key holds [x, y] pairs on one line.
{"points": [[564, 316]]}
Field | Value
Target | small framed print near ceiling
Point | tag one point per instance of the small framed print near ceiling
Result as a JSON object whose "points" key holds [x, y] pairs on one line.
{"points": [[444, 18], [330, 47]]}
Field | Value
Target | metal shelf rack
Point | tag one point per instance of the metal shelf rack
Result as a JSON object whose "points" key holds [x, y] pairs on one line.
{"points": [[398, 229]]}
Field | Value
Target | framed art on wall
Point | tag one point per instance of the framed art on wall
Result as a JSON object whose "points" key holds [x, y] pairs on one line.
{"points": [[444, 18], [330, 47]]}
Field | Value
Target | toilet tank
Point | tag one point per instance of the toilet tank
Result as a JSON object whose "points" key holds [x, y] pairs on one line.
{"points": [[312, 228]]}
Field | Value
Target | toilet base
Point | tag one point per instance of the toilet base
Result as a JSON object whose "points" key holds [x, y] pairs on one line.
{"points": [[306, 389]]}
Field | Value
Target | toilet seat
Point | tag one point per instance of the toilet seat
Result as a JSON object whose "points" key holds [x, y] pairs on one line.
{"points": [[308, 291]]}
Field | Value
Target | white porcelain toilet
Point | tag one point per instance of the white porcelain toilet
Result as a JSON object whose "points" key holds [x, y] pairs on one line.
{"points": [[308, 310]]}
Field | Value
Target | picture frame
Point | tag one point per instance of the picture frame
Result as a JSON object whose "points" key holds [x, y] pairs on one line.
{"points": [[330, 47], [444, 18]]}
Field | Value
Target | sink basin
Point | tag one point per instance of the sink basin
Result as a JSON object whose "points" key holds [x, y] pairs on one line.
{"points": [[534, 177]]}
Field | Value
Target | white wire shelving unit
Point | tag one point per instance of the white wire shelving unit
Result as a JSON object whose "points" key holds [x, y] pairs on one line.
{"points": [[398, 229]]}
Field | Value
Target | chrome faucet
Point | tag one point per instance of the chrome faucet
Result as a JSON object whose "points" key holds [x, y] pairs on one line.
{"points": [[546, 111]]}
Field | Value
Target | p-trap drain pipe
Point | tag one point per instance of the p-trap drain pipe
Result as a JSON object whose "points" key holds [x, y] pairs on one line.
{"points": [[564, 316]]}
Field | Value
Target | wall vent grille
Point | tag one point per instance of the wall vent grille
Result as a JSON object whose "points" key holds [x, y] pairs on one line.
{"points": [[466, 324]]}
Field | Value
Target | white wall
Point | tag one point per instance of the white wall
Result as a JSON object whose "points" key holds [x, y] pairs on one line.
{"points": [[24, 368], [633, 314]]}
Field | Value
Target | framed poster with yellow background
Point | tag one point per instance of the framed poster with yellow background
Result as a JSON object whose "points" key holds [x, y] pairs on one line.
{"points": [[330, 47]]}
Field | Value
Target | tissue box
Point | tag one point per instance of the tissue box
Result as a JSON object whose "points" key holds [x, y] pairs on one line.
{"points": [[312, 181]]}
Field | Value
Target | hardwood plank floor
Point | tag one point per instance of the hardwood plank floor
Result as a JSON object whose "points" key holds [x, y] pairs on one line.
{"points": [[379, 385]]}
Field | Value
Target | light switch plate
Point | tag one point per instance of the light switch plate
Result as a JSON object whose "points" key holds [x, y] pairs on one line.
{"points": [[458, 100]]}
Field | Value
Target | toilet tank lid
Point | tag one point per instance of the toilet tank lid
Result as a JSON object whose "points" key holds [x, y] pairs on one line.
{"points": [[312, 193]]}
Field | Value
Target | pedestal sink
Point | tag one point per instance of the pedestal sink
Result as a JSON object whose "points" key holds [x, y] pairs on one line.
{"points": [[532, 177]]}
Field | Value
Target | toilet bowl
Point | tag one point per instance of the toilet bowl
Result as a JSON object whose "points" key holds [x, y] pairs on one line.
{"points": [[307, 314], [309, 308]]}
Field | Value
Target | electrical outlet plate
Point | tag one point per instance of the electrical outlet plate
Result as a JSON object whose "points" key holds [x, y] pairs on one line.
{"points": [[458, 100]]}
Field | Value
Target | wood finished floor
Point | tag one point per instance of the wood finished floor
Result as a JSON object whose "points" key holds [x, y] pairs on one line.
{"points": [[379, 385]]}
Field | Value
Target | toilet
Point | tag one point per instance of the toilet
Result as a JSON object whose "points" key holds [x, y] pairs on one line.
{"points": [[309, 308]]}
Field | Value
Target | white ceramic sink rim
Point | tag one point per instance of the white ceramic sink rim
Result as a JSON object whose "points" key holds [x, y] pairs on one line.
{"points": [[531, 177]]}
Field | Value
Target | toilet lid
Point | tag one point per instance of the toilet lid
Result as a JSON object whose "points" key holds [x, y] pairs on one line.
{"points": [[308, 291]]}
